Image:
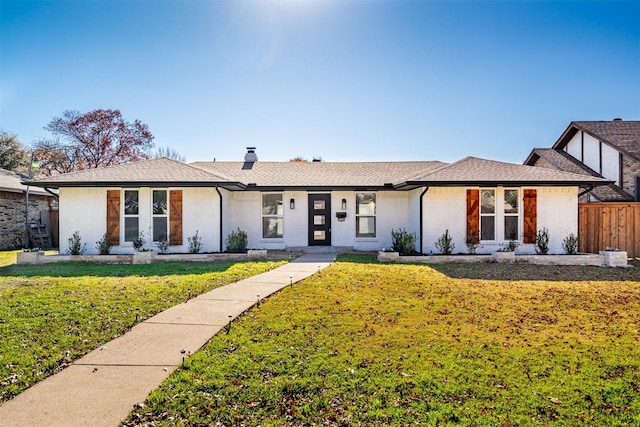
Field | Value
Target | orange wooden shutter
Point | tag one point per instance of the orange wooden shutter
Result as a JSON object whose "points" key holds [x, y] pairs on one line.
{"points": [[175, 217], [473, 212], [530, 216], [113, 217]]}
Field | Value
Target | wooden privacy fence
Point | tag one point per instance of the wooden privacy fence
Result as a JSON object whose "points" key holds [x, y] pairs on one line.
{"points": [[609, 225]]}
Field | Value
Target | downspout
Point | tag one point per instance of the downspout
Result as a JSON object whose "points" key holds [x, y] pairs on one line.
{"points": [[220, 196], [51, 192], [421, 220], [585, 191]]}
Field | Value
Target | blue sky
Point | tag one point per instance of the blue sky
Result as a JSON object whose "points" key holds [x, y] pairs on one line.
{"points": [[341, 80]]}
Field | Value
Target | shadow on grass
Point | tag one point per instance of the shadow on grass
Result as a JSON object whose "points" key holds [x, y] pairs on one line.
{"points": [[77, 269], [496, 271]]}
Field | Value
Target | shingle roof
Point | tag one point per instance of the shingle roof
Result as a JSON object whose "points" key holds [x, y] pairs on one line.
{"points": [[152, 172], [319, 174], [475, 171], [563, 161], [624, 135], [10, 182]]}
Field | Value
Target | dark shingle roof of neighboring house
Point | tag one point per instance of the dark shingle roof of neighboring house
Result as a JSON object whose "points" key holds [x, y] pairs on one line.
{"points": [[151, 173], [623, 135], [319, 174], [476, 171], [11, 182], [563, 161], [316, 175]]}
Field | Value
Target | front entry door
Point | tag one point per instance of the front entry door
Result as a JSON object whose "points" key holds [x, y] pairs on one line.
{"points": [[319, 219]]}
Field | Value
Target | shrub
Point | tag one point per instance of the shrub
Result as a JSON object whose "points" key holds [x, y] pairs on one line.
{"points": [[138, 243], [403, 241], [75, 244], [511, 247], [473, 241], [542, 241], [236, 241], [445, 243], [104, 245], [163, 245], [195, 243], [570, 244]]}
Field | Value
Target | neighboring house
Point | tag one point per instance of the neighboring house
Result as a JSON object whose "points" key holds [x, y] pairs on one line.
{"points": [[608, 149], [296, 205], [13, 206]]}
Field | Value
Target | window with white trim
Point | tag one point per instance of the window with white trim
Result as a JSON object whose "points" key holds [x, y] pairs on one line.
{"points": [[487, 214], [511, 214], [366, 215], [272, 216], [160, 216], [131, 215]]}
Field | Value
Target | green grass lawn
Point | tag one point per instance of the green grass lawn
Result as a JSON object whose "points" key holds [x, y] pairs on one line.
{"points": [[363, 343], [53, 313]]}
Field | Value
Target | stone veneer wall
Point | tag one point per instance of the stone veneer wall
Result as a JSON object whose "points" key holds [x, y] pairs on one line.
{"points": [[630, 169], [12, 216]]}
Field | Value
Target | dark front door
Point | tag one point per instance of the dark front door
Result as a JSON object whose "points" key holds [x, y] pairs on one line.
{"points": [[319, 219]]}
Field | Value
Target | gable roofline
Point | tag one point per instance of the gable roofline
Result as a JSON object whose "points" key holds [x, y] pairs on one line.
{"points": [[157, 172], [475, 171], [584, 126]]}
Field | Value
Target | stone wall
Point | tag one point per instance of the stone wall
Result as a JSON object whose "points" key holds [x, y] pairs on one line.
{"points": [[12, 224], [630, 169]]}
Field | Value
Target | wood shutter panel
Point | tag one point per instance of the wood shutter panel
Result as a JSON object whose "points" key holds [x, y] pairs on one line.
{"points": [[530, 216], [113, 217], [175, 217], [473, 212]]}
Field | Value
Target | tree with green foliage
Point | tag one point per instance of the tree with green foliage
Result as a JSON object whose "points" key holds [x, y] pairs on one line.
{"points": [[14, 156]]}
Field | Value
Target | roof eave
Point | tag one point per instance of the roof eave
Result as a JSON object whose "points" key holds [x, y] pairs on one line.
{"points": [[131, 184], [507, 183]]}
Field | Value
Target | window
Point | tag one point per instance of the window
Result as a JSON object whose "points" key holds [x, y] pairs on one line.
{"points": [[487, 214], [511, 214], [159, 215], [272, 216], [131, 219], [365, 215]]}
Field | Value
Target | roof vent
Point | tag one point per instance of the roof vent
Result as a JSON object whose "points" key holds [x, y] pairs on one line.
{"points": [[251, 156], [617, 119]]}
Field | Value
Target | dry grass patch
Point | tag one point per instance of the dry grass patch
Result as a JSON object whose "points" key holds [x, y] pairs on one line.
{"points": [[372, 344]]}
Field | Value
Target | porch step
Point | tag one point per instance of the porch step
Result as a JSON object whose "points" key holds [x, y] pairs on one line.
{"points": [[320, 249]]}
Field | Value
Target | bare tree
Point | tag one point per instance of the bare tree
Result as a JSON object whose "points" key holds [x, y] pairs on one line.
{"points": [[169, 152], [91, 140]]}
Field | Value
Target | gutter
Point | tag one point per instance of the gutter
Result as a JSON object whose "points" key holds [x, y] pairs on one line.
{"points": [[220, 195], [421, 220]]}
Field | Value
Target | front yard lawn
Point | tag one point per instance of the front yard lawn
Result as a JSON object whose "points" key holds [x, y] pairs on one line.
{"points": [[363, 343], [51, 314]]}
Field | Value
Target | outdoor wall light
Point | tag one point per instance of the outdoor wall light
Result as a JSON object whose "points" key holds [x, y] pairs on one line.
{"points": [[292, 204], [344, 204]]}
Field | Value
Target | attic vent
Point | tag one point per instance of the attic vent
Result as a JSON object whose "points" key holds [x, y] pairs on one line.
{"points": [[617, 119], [251, 156]]}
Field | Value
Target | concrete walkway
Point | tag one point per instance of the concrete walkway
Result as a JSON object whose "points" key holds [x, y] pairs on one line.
{"points": [[101, 388]]}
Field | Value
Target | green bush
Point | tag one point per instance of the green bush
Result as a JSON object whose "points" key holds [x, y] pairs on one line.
{"points": [[138, 243], [570, 244], [542, 241], [237, 242], [104, 245], [195, 243], [403, 241], [445, 243], [75, 244], [163, 245]]}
